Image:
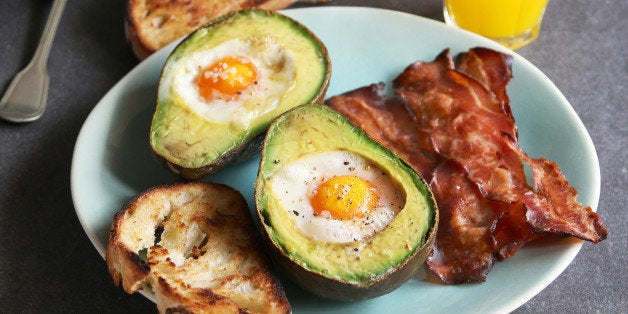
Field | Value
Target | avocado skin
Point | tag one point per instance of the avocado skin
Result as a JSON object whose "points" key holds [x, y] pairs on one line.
{"points": [[345, 291], [252, 147], [242, 153], [338, 288]]}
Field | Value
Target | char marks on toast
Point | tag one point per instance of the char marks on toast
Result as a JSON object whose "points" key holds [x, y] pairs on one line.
{"points": [[152, 24], [195, 246]]}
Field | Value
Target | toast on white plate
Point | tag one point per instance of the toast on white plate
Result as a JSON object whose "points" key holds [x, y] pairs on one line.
{"points": [[152, 24], [195, 246]]}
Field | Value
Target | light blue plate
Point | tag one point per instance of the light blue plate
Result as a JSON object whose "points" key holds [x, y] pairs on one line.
{"points": [[112, 160]]}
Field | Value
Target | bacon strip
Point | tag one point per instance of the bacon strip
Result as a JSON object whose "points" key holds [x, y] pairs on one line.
{"points": [[553, 207], [463, 250], [388, 122], [461, 118], [492, 69], [465, 122], [511, 231], [457, 129], [473, 231]]}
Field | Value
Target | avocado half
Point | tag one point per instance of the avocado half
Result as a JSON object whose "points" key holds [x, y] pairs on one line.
{"points": [[332, 270], [192, 146]]}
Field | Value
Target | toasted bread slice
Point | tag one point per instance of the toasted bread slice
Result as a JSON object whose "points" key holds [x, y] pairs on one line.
{"points": [[202, 252], [152, 24]]}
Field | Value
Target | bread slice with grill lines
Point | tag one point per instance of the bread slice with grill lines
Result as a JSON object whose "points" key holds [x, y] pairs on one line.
{"points": [[195, 246], [152, 24]]}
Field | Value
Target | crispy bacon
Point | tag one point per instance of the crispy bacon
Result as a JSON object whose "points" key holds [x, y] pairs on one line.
{"points": [[465, 122], [463, 251], [388, 122], [511, 231], [473, 230], [492, 69], [553, 207], [455, 126]]}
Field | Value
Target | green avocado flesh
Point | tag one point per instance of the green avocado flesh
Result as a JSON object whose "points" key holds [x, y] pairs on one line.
{"points": [[194, 144], [342, 270]]}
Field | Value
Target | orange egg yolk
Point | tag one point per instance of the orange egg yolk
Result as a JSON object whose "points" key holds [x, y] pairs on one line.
{"points": [[228, 76], [344, 197]]}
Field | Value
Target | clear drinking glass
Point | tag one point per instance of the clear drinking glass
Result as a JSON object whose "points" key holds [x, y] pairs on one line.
{"points": [[512, 23]]}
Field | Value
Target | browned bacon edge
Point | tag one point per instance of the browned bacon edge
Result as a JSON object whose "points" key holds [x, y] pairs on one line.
{"points": [[553, 205]]}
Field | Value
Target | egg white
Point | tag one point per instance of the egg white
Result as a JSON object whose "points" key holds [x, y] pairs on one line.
{"points": [[295, 183], [275, 66]]}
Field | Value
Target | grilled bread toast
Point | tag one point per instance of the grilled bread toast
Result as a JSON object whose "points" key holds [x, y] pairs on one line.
{"points": [[152, 24], [195, 245]]}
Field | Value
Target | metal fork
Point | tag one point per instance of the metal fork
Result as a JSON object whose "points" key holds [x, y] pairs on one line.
{"points": [[25, 99]]}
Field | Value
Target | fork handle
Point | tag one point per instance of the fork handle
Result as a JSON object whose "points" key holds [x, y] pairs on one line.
{"points": [[43, 48]]}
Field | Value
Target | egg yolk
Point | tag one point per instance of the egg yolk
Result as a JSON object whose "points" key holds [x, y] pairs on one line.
{"points": [[344, 197], [228, 76]]}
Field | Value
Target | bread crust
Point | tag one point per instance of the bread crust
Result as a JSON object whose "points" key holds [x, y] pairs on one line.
{"points": [[202, 251], [152, 24]]}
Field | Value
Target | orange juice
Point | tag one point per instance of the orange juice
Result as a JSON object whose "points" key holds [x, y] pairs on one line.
{"points": [[513, 23]]}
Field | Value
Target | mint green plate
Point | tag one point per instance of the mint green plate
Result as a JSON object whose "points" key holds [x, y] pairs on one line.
{"points": [[112, 160]]}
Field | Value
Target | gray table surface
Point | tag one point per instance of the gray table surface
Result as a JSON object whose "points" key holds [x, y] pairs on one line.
{"points": [[47, 263]]}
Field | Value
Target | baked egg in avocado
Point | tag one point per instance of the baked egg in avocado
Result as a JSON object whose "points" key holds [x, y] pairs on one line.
{"points": [[223, 84], [344, 217]]}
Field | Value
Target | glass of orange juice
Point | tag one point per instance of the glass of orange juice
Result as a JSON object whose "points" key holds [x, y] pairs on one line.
{"points": [[512, 23]]}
